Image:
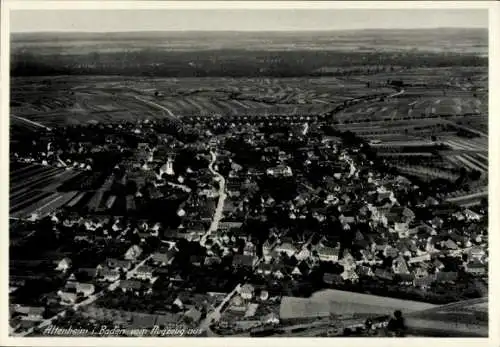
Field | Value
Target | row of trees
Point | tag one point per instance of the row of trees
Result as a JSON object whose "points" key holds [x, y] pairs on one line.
{"points": [[235, 63]]}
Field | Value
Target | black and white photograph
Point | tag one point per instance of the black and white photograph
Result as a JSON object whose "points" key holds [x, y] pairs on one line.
{"points": [[247, 172]]}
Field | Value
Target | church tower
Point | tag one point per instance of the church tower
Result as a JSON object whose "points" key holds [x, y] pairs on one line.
{"points": [[170, 166]]}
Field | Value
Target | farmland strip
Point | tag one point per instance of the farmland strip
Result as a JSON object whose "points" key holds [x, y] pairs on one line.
{"points": [[56, 203], [475, 161], [36, 170], [31, 183], [240, 104], [483, 156], [193, 103], [27, 201], [457, 145], [26, 210], [20, 168], [75, 200], [469, 163]]}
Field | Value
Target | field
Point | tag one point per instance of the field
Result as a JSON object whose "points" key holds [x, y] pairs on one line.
{"points": [[468, 317], [67, 101], [341, 302], [33, 189], [58, 101]]}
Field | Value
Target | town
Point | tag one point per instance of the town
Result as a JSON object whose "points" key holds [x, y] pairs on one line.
{"points": [[317, 172], [229, 228]]}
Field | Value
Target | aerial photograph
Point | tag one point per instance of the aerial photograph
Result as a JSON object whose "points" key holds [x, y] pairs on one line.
{"points": [[248, 173]]}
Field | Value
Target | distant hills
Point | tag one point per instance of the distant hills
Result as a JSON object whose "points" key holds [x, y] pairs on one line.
{"points": [[462, 40], [242, 54]]}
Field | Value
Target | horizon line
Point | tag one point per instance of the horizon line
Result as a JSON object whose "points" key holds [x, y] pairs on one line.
{"points": [[241, 30]]}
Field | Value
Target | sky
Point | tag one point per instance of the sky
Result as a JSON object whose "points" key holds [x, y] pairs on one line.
{"points": [[242, 20]]}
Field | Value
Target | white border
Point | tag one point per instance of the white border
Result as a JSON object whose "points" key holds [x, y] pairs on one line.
{"points": [[494, 74]]}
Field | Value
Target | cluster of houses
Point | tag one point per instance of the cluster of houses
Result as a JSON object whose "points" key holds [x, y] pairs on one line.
{"points": [[396, 245]]}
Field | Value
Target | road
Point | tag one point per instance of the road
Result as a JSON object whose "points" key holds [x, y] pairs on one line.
{"points": [[216, 313], [474, 131], [31, 122], [154, 104], [400, 92], [220, 204], [462, 198], [180, 186], [92, 298]]}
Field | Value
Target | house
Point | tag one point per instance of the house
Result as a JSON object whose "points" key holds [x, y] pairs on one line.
{"points": [[391, 252], [212, 260], [118, 264], [109, 275], [246, 291], [402, 229], [86, 289], [406, 279], [363, 270], [399, 266], [163, 258], [250, 249], [344, 219], [176, 279], [420, 272], [437, 222], [245, 261], [287, 248], [446, 276], [229, 225], [264, 295], [133, 253], [458, 216], [430, 201], [471, 215], [296, 271], [424, 282], [383, 274], [271, 255], [476, 253], [407, 247], [348, 261], [67, 298], [328, 254], [420, 259], [476, 268], [144, 272], [278, 271], [265, 269], [64, 264], [268, 246], [31, 313], [130, 285], [350, 275], [438, 264], [271, 319], [421, 229], [280, 170], [330, 278], [303, 254], [450, 245], [408, 215]]}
